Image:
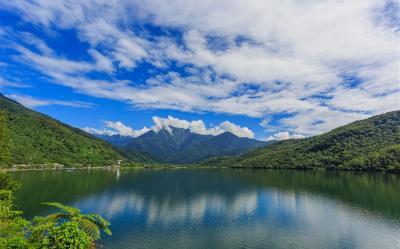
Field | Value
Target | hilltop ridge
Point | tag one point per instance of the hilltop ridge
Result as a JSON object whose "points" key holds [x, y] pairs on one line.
{"points": [[370, 144]]}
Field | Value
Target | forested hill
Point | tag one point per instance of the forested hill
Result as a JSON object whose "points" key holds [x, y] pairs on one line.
{"points": [[29, 137], [370, 144]]}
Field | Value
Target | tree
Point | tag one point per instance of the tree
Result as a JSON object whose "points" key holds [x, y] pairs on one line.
{"points": [[12, 225], [48, 233], [8, 183], [5, 153], [89, 223], [67, 229]]}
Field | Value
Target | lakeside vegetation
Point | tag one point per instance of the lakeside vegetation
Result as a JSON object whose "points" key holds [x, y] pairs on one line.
{"points": [[370, 144], [68, 228]]}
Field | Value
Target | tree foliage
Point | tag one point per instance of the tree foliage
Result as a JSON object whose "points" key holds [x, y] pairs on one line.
{"points": [[90, 223], [12, 225], [67, 229], [47, 233], [5, 153]]}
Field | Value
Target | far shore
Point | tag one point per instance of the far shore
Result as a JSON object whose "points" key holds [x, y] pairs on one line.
{"points": [[174, 166], [112, 167]]}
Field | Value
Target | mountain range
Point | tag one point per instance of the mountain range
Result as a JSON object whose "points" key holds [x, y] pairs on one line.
{"points": [[29, 137], [177, 145], [370, 144]]}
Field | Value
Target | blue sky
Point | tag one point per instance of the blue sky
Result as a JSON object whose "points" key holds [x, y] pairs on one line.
{"points": [[263, 70]]}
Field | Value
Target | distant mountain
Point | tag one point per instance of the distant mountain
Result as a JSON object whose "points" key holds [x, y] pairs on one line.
{"points": [[183, 146], [370, 144], [225, 144], [116, 140], [29, 137]]}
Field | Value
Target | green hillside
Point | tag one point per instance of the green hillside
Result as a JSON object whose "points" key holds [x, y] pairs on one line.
{"points": [[370, 144], [29, 137]]}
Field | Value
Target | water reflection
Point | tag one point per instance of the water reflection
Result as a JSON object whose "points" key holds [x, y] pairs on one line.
{"points": [[233, 208], [112, 205]]}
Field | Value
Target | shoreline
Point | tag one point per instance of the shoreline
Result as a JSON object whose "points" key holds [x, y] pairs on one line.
{"points": [[174, 166], [112, 167]]}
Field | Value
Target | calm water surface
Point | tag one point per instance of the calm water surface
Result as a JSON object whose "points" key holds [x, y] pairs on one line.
{"points": [[227, 208]]}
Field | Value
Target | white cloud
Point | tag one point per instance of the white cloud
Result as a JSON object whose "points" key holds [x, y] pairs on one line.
{"points": [[291, 52], [32, 102], [227, 126], [284, 135], [38, 43], [195, 126], [7, 83], [103, 63], [168, 123], [319, 120], [362, 100], [198, 126], [116, 128], [55, 64], [100, 131], [265, 122], [124, 130]]}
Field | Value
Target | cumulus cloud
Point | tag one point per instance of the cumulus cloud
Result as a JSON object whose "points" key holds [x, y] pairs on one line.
{"points": [[195, 126], [235, 129], [284, 135], [124, 130], [32, 102], [198, 126], [272, 58], [116, 128], [104, 131], [167, 123]]}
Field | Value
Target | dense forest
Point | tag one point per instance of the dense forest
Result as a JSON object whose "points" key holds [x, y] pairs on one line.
{"points": [[33, 138], [370, 144]]}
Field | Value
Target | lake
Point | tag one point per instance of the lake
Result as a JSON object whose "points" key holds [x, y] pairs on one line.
{"points": [[226, 208]]}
